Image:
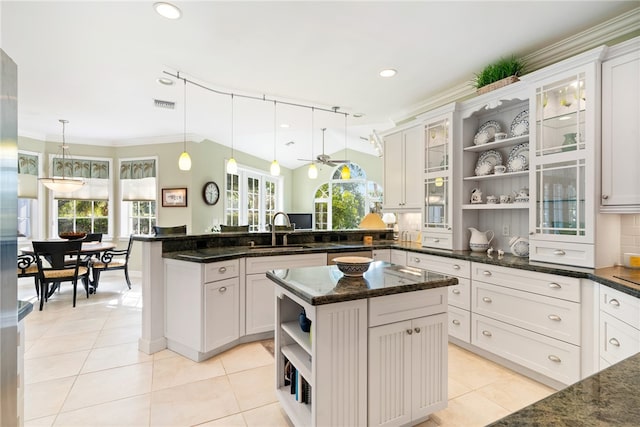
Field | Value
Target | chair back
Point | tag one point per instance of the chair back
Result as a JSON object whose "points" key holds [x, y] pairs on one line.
{"points": [[56, 251], [167, 231], [93, 237], [25, 261]]}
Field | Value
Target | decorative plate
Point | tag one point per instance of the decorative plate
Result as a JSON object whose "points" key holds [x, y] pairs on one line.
{"points": [[520, 150], [483, 168], [492, 156], [517, 163], [486, 132], [520, 125]]}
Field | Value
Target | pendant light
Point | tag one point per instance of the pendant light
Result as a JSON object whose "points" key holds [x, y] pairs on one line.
{"points": [[313, 170], [184, 162], [232, 166], [64, 184], [345, 173], [275, 167]]}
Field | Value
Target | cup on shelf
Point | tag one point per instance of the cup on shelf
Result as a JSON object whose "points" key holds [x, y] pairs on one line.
{"points": [[505, 198], [492, 200], [499, 169]]}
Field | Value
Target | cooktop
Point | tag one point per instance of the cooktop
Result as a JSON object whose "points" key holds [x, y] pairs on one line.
{"points": [[632, 276]]}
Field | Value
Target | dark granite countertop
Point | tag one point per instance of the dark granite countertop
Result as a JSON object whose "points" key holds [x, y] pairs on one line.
{"points": [[24, 308], [608, 398], [327, 284]]}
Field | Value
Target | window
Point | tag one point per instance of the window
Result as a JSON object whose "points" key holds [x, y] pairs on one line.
{"points": [[252, 198], [142, 217], [24, 218], [90, 216], [29, 168], [138, 188], [341, 204]]}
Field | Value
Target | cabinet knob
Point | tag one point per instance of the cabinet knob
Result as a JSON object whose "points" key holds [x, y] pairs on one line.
{"points": [[417, 260], [554, 285], [554, 358], [486, 299], [554, 317], [605, 197], [455, 291], [558, 252], [409, 331], [456, 267], [615, 342], [417, 330], [222, 270], [614, 302], [456, 322], [448, 228], [486, 333], [222, 289]]}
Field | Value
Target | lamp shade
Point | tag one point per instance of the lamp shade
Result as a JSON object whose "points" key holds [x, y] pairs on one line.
{"points": [[313, 171], [232, 166], [184, 162], [62, 185], [275, 168], [372, 221], [389, 218]]}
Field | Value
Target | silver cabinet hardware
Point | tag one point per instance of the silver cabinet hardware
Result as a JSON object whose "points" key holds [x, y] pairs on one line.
{"points": [[417, 330], [409, 331], [222, 289], [222, 270], [554, 317], [486, 273], [455, 291], [558, 252], [554, 358], [615, 342], [614, 302], [417, 260], [456, 322], [487, 299], [436, 240], [554, 285], [486, 333], [605, 197], [456, 267]]}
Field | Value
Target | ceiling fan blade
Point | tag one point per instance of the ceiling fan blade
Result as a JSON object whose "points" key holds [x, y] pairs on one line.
{"points": [[307, 160], [340, 161]]}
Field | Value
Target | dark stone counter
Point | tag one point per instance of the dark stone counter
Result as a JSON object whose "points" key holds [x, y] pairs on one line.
{"points": [[608, 398], [327, 284]]}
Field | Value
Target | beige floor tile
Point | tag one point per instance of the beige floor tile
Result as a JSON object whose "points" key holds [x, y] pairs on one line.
{"points": [[164, 354], [62, 344], [477, 372], [515, 393], [114, 356], [254, 387], [174, 371], [193, 403], [131, 320], [246, 356], [40, 422], [117, 336], [266, 416], [75, 326], [52, 367], [428, 423], [46, 398], [456, 388], [469, 410], [104, 386], [235, 420], [129, 412]]}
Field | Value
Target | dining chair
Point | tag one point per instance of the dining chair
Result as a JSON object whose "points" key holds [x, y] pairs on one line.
{"points": [[166, 231], [50, 259], [85, 257], [112, 259], [28, 267]]}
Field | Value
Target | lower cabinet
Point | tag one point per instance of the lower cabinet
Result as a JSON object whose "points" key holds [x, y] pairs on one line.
{"points": [[619, 326], [222, 323]]}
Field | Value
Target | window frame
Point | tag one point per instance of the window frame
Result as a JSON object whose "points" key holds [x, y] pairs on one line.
{"points": [[126, 207]]}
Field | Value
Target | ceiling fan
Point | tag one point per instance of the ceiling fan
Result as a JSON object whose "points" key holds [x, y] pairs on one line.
{"points": [[323, 158]]}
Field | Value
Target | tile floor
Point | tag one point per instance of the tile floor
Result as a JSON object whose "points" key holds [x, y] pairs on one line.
{"points": [[83, 368]]}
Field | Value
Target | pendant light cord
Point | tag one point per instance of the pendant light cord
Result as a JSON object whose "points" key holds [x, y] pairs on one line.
{"points": [[232, 126], [275, 130], [184, 121], [64, 147], [312, 127]]}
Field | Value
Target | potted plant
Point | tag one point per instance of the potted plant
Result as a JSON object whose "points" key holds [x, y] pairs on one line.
{"points": [[501, 73]]}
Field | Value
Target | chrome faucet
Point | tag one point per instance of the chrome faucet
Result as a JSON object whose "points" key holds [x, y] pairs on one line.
{"points": [[273, 228]]}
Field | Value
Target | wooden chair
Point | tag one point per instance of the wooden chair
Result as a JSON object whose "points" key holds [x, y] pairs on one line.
{"points": [[166, 231], [28, 267], [112, 259], [56, 270], [84, 261]]}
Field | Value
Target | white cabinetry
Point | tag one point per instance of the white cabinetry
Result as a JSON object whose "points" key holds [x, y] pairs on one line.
{"points": [[398, 257], [619, 326], [259, 295], [381, 255], [621, 128], [403, 169]]}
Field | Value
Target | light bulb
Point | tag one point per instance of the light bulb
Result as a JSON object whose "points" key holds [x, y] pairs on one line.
{"points": [[184, 162], [313, 171], [275, 168], [232, 166], [345, 173], [439, 182]]}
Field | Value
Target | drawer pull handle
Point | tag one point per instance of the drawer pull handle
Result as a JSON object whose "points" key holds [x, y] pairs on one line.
{"points": [[614, 302], [554, 317], [222, 289], [436, 240], [615, 342], [417, 260], [558, 252], [554, 285], [605, 197], [456, 267], [417, 330], [455, 291], [487, 299], [409, 331], [486, 273], [456, 322], [553, 358], [222, 270], [486, 333]]}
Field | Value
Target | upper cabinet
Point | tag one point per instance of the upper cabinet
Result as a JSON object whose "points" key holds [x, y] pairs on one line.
{"points": [[403, 169], [621, 129]]}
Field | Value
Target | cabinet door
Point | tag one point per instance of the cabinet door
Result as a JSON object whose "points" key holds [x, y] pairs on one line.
{"points": [[618, 340], [390, 374], [621, 131], [413, 192], [393, 170], [222, 313], [259, 304], [381, 255]]}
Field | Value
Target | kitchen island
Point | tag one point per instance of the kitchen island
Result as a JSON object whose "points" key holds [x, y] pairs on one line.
{"points": [[376, 349]]}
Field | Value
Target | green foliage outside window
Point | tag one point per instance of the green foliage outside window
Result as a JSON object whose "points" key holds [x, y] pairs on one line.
{"points": [[347, 206], [89, 216]]}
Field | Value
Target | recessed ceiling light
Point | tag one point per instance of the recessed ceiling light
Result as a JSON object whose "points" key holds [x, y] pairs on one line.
{"points": [[389, 72], [167, 10], [284, 125], [165, 81]]}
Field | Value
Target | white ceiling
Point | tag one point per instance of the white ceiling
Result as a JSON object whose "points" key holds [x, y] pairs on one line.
{"points": [[96, 64]]}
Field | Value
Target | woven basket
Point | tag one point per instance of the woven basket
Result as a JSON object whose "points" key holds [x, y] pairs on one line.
{"points": [[497, 85]]}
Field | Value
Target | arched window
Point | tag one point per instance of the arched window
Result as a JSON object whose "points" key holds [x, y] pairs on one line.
{"points": [[341, 204]]}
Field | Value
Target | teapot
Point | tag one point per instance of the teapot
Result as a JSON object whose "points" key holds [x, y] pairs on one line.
{"points": [[476, 195], [479, 241], [519, 246]]}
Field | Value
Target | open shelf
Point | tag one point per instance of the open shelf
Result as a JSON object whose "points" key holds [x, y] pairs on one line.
{"points": [[507, 142], [496, 176], [298, 335], [489, 206], [299, 413], [300, 359]]}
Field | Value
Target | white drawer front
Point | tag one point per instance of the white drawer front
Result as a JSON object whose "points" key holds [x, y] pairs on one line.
{"points": [[443, 265], [408, 305], [620, 305], [567, 288], [582, 255], [618, 340], [459, 324], [437, 240], [221, 270], [460, 294], [398, 257], [553, 358], [552, 317], [266, 263]]}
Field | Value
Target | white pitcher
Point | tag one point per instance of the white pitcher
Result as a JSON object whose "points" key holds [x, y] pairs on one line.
{"points": [[479, 241]]}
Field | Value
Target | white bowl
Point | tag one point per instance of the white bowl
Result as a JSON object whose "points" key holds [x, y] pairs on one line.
{"points": [[353, 266]]}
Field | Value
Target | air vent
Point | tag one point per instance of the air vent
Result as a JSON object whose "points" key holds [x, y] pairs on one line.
{"points": [[164, 104]]}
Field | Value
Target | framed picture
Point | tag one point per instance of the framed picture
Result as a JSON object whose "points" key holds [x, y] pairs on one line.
{"points": [[174, 197]]}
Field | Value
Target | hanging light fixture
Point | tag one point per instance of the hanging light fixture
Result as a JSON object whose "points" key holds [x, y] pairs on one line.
{"points": [[64, 184], [275, 167], [232, 166], [184, 162], [345, 173], [313, 170]]}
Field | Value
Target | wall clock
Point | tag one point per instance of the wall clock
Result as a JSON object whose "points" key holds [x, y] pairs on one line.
{"points": [[210, 193]]}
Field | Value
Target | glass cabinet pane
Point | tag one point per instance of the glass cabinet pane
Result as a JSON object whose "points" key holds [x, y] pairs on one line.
{"points": [[560, 116], [437, 146], [560, 204], [436, 202]]}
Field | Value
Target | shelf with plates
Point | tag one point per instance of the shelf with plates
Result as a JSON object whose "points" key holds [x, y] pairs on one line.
{"points": [[494, 206], [507, 142], [496, 176]]}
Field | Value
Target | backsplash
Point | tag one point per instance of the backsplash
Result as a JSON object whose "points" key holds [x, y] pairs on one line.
{"points": [[630, 234]]}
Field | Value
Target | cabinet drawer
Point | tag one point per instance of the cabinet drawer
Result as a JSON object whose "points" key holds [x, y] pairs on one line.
{"points": [[443, 265], [221, 313], [221, 270], [553, 358], [398, 257], [263, 264], [618, 340], [460, 294], [620, 305], [552, 317], [460, 324], [381, 255], [582, 255], [408, 305], [437, 240], [567, 288]]}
